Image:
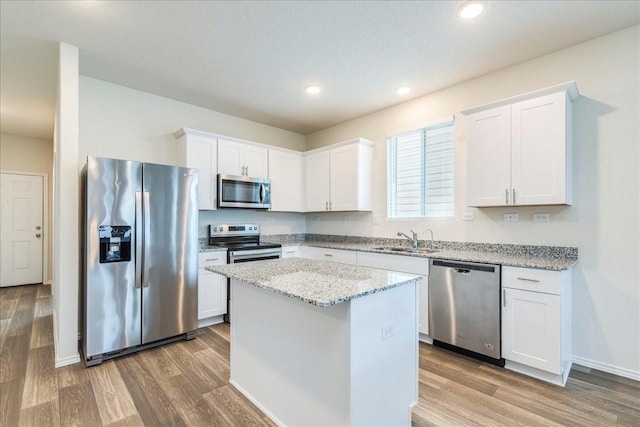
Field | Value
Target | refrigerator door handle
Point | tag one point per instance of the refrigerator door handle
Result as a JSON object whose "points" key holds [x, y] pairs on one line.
{"points": [[146, 234], [139, 256]]}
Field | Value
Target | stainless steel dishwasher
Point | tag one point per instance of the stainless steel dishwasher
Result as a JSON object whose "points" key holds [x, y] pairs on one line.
{"points": [[464, 308]]}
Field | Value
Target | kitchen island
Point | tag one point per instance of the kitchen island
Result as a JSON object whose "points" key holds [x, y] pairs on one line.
{"points": [[322, 343]]}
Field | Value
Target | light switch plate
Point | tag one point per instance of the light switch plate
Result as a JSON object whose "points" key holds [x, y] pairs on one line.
{"points": [[511, 217], [467, 216]]}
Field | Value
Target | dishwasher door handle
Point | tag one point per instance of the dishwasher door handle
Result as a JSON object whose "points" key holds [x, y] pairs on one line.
{"points": [[461, 270]]}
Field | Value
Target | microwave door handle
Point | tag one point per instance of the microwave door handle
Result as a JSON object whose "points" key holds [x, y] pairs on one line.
{"points": [[262, 193]]}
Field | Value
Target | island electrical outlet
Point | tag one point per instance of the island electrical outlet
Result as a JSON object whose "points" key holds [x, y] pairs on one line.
{"points": [[388, 330]]}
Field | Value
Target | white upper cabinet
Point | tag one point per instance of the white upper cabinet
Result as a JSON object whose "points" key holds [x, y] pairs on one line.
{"points": [[287, 180], [239, 158], [318, 180], [519, 150], [338, 177], [199, 150]]}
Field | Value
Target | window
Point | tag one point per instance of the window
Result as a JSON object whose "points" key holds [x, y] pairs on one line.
{"points": [[420, 172]]}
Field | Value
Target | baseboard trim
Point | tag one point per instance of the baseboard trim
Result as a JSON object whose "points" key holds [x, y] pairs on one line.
{"points": [[70, 360], [605, 367], [255, 402]]}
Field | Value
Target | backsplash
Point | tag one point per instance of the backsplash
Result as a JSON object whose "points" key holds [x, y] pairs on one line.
{"points": [[508, 249]]}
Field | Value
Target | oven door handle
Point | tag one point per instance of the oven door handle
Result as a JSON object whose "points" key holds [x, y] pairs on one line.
{"points": [[253, 253]]}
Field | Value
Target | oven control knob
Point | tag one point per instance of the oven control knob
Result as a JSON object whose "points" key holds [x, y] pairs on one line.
{"points": [[215, 228], [221, 228], [250, 228]]}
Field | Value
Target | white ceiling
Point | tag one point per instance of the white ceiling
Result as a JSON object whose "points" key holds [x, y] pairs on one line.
{"points": [[253, 59]]}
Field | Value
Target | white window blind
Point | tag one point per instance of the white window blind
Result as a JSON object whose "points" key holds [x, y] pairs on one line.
{"points": [[420, 169]]}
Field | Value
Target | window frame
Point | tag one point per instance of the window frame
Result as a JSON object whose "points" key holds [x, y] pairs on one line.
{"points": [[392, 171]]}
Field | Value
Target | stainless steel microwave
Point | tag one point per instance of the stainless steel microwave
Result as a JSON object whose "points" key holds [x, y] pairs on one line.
{"points": [[243, 192]]}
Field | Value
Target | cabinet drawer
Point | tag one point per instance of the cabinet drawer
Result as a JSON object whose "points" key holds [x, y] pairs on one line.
{"points": [[530, 279], [335, 255], [206, 259]]}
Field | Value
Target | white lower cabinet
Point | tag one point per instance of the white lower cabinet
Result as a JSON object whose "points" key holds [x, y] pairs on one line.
{"points": [[405, 264], [212, 289], [536, 322], [335, 255], [290, 251]]}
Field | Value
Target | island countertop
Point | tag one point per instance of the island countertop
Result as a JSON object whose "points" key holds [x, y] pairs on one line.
{"points": [[321, 283]]}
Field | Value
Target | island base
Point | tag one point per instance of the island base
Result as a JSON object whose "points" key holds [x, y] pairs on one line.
{"points": [[352, 363]]}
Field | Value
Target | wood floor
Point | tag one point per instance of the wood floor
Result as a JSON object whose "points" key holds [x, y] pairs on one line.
{"points": [[186, 384]]}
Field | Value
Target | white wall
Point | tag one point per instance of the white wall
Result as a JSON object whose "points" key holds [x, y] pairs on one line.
{"points": [[27, 154], [603, 221], [124, 123], [65, 205]]}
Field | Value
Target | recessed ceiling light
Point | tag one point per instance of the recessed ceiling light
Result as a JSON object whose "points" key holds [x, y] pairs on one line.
{"points": [[312, 89], [403, 90], [470, 9]]}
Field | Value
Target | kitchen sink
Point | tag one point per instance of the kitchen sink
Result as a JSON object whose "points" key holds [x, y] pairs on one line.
{"points": [[406, 250]]}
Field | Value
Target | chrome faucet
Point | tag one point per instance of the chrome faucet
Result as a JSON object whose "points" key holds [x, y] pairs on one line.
{"points": [[431, 240], [414, 239]]}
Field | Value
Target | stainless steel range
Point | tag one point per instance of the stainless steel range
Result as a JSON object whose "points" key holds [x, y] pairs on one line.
{"points": [[243, 245]]}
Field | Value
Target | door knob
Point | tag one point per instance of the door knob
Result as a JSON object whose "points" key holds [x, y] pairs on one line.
{"points": [[38, 235], [38, 227]]}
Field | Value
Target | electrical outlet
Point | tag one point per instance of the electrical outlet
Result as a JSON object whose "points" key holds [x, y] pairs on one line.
{"points": [[377, 220], [346, 217], [467, 216], [541, 217], [511, 217], [388, 331]]}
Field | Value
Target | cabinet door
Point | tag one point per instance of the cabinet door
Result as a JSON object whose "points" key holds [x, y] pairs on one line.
{"points": [[287, 181], [531, 329], [489, 158], [201, 153], [256, 161], [539, 151], [317, 179], [344, 178], [405, 264], [212, 287], [230, 157]]}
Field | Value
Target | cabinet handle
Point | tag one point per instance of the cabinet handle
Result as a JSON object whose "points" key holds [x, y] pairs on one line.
{"points": [[326, 206], [504, 297], [514, 196], [290, 252], [329, 205], [506, 196], [213, 259], [528, 280], [329, 255]]}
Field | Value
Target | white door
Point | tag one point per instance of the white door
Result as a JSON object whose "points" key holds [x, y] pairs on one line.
{"points": [[230, 157], [317, 180], [532, 329], [344, 178], [256, 161], [489, 158], [287, 180], [21, 229], [539, 153]]}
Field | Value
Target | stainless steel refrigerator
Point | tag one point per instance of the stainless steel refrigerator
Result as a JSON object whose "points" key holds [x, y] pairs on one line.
{"points": [[140, 248]]}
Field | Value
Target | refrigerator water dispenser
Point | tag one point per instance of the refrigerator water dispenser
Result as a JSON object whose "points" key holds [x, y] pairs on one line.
{"points": [[115, 243]]}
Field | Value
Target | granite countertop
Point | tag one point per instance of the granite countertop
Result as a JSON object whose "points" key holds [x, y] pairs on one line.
{"points": [[321, 283], [541, 257]]}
